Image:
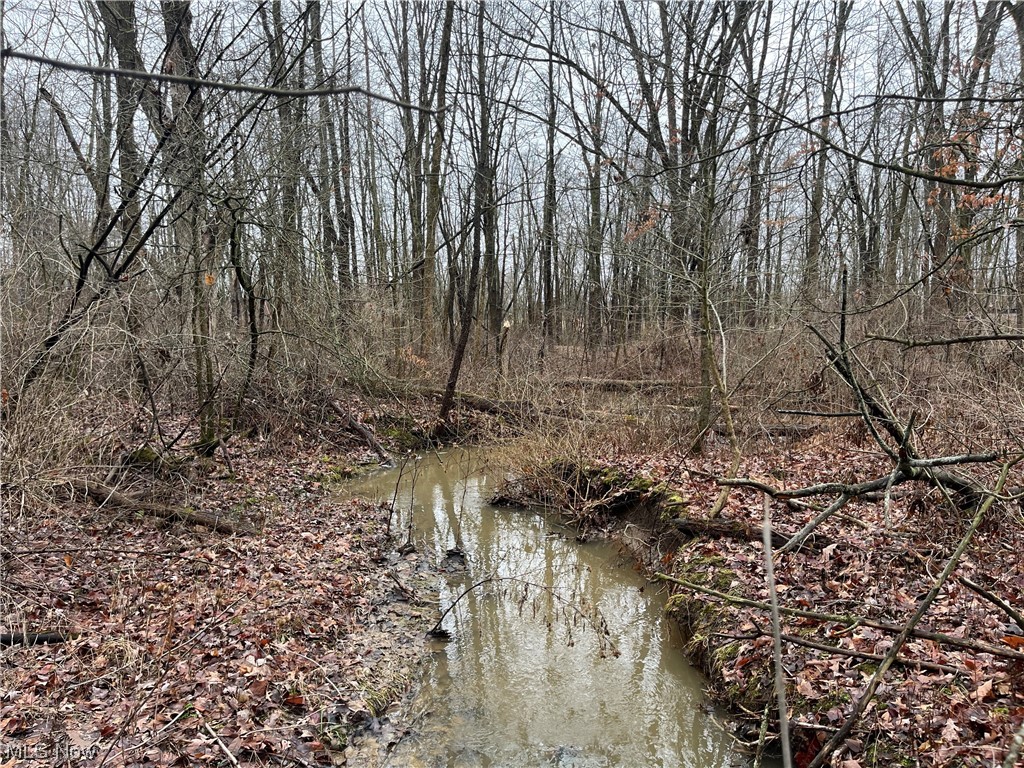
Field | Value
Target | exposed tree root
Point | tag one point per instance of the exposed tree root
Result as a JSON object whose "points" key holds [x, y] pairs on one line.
{"points": [[105, 496]]}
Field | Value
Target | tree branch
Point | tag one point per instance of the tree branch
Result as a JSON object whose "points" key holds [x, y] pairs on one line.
{"points": [[849, 621], [293, 93], [862, 703], [946, 342]]}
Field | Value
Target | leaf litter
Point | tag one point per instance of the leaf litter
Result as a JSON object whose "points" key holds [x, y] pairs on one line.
{"points": [[940, 705], [188, 647]]}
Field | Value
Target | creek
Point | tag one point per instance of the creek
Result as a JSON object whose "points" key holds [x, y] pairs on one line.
{"points": [[559, 653]]}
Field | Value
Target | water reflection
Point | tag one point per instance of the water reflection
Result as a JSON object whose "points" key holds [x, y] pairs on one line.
{"points": [[561, 659]]}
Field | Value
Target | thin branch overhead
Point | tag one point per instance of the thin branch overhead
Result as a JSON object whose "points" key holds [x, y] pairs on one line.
{"points": [[294, 93]]}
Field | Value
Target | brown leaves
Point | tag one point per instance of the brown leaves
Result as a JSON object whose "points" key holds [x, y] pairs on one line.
{"points": [[186, 634], [878, 564]]}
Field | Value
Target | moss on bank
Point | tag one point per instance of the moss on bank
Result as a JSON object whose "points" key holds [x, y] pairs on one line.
{"points": [[708, 627]]}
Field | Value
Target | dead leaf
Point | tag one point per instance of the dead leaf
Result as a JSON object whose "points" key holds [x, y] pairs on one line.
{"points": [[950, 731], [983, 691]]}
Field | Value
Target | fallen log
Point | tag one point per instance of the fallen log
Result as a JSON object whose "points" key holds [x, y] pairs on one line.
{"points": [[515, 409], [105, 496], [8, 639], [354, 425], [838, 651], [619, 385]]}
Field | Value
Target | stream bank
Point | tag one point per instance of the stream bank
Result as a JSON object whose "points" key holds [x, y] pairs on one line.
{"points": [[956, 701]]}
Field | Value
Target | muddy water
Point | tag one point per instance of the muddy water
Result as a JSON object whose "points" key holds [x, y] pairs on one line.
{"points": [[559, 656]]}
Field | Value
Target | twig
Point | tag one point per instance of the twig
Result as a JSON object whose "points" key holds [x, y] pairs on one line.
{"points": [[907, 631], [402, 588], [806, 531], [836, 650], [871, 409], [929, 665], [780, 678], [993, 598], [231, 758]]}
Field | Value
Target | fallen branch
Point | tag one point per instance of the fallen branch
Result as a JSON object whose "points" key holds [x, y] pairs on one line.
{"points": [[945, 461], [223, 747], [907, 631], [842, 489], [929, 665], [619, 385], [993, 598], [946, 342], [727, 529], [820, 414], [808, 529], [8, 639], [353, 424], [105, 496], [849, 621], [518, 410], [912, 470]]}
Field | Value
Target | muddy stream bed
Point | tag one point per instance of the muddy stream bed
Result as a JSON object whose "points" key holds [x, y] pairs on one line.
{"points": [[558, 652]]}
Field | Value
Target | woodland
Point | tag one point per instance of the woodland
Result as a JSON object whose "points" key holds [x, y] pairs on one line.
{"points": [[748, 276]]}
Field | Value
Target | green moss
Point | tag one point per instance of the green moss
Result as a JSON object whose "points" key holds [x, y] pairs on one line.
{"points": [[726, 654], [142, 456], [708, 571], [338, 473], [401, 431], [672, 499], [704, 621], [333, 472]]}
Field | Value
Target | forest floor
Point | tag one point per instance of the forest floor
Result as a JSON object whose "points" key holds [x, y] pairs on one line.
{"points": [[295, 643], [186, 646], [959, 702]]}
